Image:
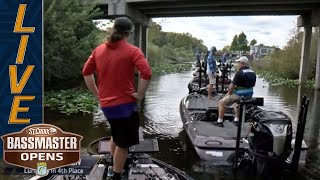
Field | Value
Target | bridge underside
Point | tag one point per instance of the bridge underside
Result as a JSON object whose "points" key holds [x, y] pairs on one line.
{"points": [[179, 8], [183, 8]]}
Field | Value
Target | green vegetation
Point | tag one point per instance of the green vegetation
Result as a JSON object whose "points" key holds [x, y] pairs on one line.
{"points": [[284, 65], [275, 80], [253, 42], [70, 101], [167, 48], [240, 43], [162, 69], [69, 37]]}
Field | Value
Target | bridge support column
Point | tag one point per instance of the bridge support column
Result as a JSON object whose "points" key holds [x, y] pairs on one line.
{"points": [[144, 40], [317, 80], [305, 21], [315, 122], [137, 35], [140, 37]]}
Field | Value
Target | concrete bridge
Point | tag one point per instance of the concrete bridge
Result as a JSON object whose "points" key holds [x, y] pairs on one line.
{"points": [[141, 11]]}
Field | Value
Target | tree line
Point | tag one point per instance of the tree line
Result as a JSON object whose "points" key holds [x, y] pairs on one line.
{"points": [[170, 47]]}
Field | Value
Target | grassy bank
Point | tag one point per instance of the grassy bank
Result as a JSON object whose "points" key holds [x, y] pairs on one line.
{"points": [[276, 80]]}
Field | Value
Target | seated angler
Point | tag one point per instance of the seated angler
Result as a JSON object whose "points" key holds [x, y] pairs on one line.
{"points": [[241, 86]]}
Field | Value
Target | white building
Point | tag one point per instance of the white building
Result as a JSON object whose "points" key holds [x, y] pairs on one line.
{"points": [[260, 51]]}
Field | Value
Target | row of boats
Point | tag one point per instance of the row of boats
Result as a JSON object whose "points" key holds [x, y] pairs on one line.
{"points": [[263, 139]]}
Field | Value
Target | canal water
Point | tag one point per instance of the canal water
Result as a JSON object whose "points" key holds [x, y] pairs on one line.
{"points": [[160, 119]]}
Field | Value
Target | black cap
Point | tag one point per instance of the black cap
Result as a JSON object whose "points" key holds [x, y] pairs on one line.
{"points": [[213, 48], [123, 24]]}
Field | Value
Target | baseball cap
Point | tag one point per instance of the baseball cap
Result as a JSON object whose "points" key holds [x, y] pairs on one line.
{"points": [[123, 24], [243, 59], [213, 48]]}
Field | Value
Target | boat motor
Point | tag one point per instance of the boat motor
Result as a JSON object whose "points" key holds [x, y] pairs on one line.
{"points": [[270, 139]]}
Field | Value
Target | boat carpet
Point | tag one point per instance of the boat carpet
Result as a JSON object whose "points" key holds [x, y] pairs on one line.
{"points": [[202, 102], [229, 131]]}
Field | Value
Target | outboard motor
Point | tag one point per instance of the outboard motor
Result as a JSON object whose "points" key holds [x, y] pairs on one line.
{"points": [[270, 140]]}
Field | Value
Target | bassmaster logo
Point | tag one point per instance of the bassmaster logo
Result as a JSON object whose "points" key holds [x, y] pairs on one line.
{"points": [[41, 147]]}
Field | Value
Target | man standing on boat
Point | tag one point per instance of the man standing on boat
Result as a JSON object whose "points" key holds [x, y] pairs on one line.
{"points": [[114, 63], [223, 58], [241, 86], [211, 71], [198, 57]]}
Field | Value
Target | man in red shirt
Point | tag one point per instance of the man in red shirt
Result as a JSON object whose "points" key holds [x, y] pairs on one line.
{"points": [[114, 63]]}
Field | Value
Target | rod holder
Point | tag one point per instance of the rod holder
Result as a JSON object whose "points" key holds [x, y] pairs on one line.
{"points": [[300, 132], [242, 108]]}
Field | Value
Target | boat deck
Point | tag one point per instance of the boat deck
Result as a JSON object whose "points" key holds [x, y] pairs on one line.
{"points": [[201, 102], [204, 112], [229, 131]]}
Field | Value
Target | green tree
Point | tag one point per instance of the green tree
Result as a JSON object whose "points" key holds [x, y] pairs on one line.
{"points": [[243, 42], [285, 63], [234, 45], [253, 42], [226, 48], [164, 47], [155, 35], [69, 37]]}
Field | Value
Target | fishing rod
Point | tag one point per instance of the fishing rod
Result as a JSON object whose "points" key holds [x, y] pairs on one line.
{"points": [[223, 68], [200, 70], [223, 75]]}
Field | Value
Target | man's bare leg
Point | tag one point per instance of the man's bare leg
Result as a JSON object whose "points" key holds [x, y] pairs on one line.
{"points": [[112, 147], [237, 114], [219, 122], [119, 159], [221, 111]]}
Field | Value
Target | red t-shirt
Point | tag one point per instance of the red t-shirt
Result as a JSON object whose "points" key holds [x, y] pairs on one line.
{"points": [[114, 64]]}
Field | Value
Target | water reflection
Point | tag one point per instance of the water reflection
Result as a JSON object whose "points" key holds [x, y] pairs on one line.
{"points": [[161, 105]]}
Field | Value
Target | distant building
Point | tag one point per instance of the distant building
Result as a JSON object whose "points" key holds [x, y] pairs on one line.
{"points": [[261, 51]]}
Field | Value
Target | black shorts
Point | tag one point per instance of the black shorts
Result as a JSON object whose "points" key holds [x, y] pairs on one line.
{"points": [[125, 131]]}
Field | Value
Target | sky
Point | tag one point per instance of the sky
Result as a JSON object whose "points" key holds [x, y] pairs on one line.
{"points": [[219, 31]]}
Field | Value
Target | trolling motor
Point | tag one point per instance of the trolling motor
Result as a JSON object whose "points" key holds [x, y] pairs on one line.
{"points": [[270, 137]]}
